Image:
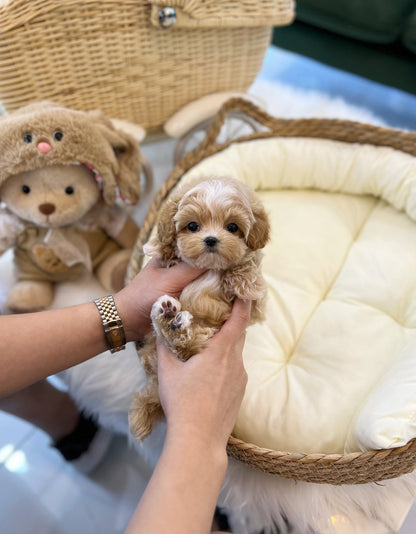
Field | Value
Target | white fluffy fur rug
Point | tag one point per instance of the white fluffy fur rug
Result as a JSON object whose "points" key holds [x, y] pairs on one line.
{"points": [[290, 102], [258, 501]]}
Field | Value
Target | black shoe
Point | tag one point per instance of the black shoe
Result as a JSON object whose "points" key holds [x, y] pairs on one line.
{"points": [[86, 445]]}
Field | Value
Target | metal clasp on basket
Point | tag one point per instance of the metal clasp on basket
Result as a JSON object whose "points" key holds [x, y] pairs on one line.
{"points": [[167, 17]]}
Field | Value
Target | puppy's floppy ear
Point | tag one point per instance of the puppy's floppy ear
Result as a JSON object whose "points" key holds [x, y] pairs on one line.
{"points": [[259, 234], [163, 246]]}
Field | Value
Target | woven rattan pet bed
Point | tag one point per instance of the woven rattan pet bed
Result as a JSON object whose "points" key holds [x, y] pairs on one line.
{"points": [[356, 466], [120, 56]]}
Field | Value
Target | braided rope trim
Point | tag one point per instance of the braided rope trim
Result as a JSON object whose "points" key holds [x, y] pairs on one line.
{"points": [[337, 469]]}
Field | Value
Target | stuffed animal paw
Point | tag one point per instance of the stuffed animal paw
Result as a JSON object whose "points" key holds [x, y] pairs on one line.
{"points": [[30, 296], [47, 260]]}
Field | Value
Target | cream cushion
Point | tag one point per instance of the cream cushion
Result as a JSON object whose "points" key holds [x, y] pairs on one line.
{"points": [[327, 367]]}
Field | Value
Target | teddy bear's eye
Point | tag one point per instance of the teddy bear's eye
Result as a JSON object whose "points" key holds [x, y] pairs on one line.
{"points": [[193, 227], [69, 190], [28, 138], [58, 135], [232, 227], [26, 189]]}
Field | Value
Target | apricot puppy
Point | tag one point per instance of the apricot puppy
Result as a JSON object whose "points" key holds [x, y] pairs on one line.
{"points": [[218, 224]]}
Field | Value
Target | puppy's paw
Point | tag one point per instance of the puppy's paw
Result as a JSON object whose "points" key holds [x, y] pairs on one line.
{"points": [[182, 320], [165, 309]]}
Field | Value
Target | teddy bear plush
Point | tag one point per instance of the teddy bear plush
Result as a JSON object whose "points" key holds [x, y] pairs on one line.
{"points": [[62, 175]]}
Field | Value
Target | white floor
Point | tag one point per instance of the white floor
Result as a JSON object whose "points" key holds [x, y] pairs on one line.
{"points": [[42, 494]]}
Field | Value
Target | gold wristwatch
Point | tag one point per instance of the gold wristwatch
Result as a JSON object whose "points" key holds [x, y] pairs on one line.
{"points": [[113, 325]]}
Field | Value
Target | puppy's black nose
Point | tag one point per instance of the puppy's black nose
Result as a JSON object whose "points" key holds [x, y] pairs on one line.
{"points": [[210, 241]]}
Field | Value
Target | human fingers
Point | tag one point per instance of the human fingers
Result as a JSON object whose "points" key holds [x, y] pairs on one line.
{"points": [[135, 301], [234, 328], [166, 359], [171, 379], [173, 279], [180, 275]]}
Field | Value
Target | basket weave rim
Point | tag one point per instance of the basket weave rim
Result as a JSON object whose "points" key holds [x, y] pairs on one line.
{"points": [[19, 12], [321, 468], [352, 468], [265, 13]]}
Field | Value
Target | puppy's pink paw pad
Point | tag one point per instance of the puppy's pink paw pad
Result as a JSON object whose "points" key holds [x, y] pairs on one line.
{"points": [[168, 310], [166, 307]]}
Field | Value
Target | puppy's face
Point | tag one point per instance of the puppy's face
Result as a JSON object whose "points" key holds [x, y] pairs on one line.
{"points": [[212, 222]]}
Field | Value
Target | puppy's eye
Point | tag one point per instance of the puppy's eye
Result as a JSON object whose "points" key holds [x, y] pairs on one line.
{"points": [[26, 189], [232, 227], [28, 138], [69, 190], [193, 227], [58, 135]]}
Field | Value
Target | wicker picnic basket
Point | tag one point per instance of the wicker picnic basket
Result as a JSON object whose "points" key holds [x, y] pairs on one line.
{"points": [[353, 468], [127, 58]]}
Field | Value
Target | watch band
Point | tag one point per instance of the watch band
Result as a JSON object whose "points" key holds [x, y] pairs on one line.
{"points": [[113, 325]]}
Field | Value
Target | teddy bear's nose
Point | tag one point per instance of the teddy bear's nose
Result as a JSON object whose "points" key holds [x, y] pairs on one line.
{"points": [[44, 147], [47, 208]]}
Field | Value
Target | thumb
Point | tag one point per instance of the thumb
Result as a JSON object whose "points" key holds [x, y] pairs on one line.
{"points": [[180, 275], [240, 315], [166, 359], [236, 324]]}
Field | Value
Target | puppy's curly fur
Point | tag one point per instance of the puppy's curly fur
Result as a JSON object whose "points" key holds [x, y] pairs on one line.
{"points": [[218, 224]]}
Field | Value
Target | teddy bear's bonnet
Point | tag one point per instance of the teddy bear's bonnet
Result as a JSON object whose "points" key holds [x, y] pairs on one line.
{"points": [[46, 133]]}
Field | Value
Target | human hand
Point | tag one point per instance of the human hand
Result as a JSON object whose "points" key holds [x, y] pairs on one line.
{"points": [[201, 397], [134, 302]]}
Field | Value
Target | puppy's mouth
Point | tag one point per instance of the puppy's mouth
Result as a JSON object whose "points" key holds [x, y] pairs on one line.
{"points": [[211, 261], [207, 253], [211, 258]]}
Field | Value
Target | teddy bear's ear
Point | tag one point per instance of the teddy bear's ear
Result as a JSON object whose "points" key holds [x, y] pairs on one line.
{"points": [[259, 234], [126, 150], [128, 178]]}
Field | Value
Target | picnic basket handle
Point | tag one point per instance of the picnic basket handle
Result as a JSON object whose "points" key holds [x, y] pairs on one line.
{"points": [[236, 105], [193, 14], [334, 129]]}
